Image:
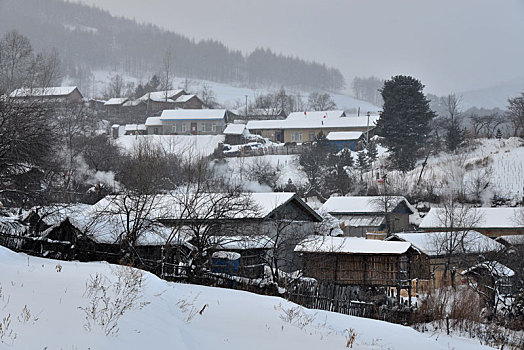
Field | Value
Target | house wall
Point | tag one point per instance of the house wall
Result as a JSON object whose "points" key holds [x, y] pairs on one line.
{"points": [[310, 134], [398, 222], [355, 269], [360, 231], [156, 106], [204, 127], [74, 97], [193, 103]]}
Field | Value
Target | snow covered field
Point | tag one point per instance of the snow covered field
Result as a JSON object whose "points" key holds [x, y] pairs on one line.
{"points": [[185, 145], [46, 304]]}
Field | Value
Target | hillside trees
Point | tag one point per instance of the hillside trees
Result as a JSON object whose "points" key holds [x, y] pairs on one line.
{"points": [[368, 89], [404, 124], [516, 114]]}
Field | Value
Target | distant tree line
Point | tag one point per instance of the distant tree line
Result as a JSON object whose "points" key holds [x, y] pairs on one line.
{"points": [[89, 38]]}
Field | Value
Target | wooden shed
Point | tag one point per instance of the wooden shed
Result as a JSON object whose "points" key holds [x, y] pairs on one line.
{"points": [[357, 261]]}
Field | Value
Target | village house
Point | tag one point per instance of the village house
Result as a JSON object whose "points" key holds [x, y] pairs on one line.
{"points": [[276, 214], [55, 95], [362, 262], [135, 129], [448, 254], [114, 107], [339, 140], [363, 215], [492, 222], [188, 122], [236, 134], [158, 101], [305, 126], [134, 111], [189, 102]]}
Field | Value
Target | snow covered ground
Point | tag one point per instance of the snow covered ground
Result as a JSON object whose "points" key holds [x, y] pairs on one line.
{"points": [[48, 304], [189, 146], [287, 167]]}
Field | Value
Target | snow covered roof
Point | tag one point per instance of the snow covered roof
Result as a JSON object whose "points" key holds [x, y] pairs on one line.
{"points": [[12, 225], [362, 204], [116, 101], [170, 207], [184, 98], [344, 135], [495, 269], [193, 114], [244, 242], [133, 103], [135, 127], [436, 243], [362, 220], [350, 245], [315, 115], [488, 218], [235, 129], [153, 121], [160, 96], [50, 91], [327, 123], [511, 239]]}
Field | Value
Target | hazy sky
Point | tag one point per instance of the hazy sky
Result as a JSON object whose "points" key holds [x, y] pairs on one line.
{"points": [[450, 45]]}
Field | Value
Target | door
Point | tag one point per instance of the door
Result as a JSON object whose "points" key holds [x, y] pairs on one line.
{"points": [[194, 128]]}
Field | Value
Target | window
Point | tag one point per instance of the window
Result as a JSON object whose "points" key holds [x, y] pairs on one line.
{"points": [[311, 136], [214, 127], [173, 129], [184, 127], [155, 131], [296, 137], [207, 127]]}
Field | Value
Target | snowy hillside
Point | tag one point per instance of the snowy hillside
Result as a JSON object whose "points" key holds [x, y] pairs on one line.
{"points": [[232, 96], [49, 304], [492, 166], [495, 96]]}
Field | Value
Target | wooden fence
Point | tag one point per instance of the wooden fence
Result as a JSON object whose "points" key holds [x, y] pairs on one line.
{"points": [[331, 297]]}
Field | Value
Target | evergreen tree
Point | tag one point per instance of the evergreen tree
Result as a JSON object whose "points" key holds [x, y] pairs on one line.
{"points": [[372, 151], [404, 122], [454, 135], [362, 163], [499, 134]]}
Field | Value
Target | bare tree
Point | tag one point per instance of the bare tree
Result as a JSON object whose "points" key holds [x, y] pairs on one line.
{"points": [[208, 213], [457, 220], [516, 113], [16, 56], [454, 130], [321, 102], [132, 214], [115, 87], [207, 95], [27, 142], [167, 73]]}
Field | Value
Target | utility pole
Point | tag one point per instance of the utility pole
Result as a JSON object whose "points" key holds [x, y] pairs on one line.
{"points": [[367, 132], [246, 106]]}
